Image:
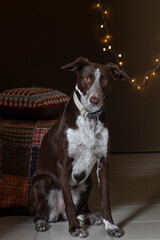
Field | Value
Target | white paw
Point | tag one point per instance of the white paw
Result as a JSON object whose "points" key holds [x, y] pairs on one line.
{"points": [[93, 220], [89, 219], [41, 225], [78, 232], [112, 230]]}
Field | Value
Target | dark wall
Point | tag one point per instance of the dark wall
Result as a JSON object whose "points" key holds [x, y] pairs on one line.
{"points": [[38, 37], [135, 115]]}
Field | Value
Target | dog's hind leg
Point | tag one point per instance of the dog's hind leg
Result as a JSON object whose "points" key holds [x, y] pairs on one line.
{"points": [[39, 192]]}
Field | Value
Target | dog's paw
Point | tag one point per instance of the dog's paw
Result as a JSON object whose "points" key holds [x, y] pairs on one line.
{"points": [[41, 225], [78, 232], [112, 230], [93, 220]]}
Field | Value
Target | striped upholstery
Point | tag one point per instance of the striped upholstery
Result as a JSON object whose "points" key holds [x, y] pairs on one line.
{"points": [[32, 98], [32, 103], [19, 148]]}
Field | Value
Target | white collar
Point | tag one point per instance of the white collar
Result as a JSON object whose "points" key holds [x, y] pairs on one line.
{"points": [[83, 111], [79, 105]]}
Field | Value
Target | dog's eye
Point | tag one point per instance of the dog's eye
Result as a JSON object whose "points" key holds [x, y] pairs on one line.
{"points": [[105, 82], [88, 79]]}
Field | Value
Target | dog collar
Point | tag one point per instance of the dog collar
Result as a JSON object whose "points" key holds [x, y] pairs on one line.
{"points": [[84, 112]]}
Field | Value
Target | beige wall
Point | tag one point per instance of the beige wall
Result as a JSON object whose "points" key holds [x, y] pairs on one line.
{"points": [[40, 36]]}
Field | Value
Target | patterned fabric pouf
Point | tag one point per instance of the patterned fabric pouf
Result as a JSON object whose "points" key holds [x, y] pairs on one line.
{"points": [[19, 148], [32, 103]]}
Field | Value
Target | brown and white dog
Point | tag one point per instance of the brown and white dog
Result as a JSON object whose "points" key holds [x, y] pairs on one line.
{"points": [[79, 140]]}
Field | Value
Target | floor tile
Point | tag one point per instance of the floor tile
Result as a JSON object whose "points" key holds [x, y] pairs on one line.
{"points": [[17, 232], [140, 213], [141, 230], [60, 231]]}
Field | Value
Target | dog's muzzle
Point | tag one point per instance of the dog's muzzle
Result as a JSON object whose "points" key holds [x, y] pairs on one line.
{"points": [[83, 111]]}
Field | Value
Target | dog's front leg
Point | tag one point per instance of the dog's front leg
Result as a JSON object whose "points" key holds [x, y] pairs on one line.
{"points": [[112, 230], [74, 227]]}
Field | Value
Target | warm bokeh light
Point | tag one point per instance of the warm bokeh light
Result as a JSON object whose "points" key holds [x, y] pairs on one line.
{"points": [[107, 41]]}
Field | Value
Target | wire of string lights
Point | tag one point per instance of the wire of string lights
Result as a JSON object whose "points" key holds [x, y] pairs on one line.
{"points": [[108, 47]]}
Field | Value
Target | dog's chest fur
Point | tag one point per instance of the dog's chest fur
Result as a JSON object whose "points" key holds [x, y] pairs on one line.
{"points": [[86, 145]]}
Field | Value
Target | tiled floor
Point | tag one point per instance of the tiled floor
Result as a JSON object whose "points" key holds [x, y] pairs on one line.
{"points": [[135, 199]]}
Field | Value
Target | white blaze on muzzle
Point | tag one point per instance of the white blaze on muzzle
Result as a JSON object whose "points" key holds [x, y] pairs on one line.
{"points": [[94, 91]]}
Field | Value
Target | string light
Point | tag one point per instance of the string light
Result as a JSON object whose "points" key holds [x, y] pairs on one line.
{"points": [[119, 59]]}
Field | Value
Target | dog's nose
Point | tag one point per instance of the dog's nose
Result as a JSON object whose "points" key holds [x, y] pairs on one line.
{"points": [[94, 100]]}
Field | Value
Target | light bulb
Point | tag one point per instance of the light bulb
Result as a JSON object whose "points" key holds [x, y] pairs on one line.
{"points": [[139, 87], [105, 12], [120, 55], [147, 77], [98, 5], [153, 73], [157, 60], [104, 49], [102, 26], [109, 47], [133, 80], [121, 63]]}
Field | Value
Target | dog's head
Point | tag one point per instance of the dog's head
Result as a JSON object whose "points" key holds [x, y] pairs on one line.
{"points": [[94, 81]]}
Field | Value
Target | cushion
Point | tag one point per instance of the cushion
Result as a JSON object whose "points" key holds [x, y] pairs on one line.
{"points": [[32, 103], [19, 149]]}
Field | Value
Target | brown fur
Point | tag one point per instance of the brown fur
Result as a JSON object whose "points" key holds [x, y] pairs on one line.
{"points": [[54, 165]]}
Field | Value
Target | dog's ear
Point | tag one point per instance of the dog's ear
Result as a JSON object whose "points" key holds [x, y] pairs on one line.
{"points": [[116, 72], [77, 65]]}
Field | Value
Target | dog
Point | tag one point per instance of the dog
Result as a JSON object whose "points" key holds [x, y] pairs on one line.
{"points": [[70, 149]]}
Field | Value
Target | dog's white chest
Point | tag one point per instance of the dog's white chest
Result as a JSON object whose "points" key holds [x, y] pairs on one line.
{"points": [[86, 145]]}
